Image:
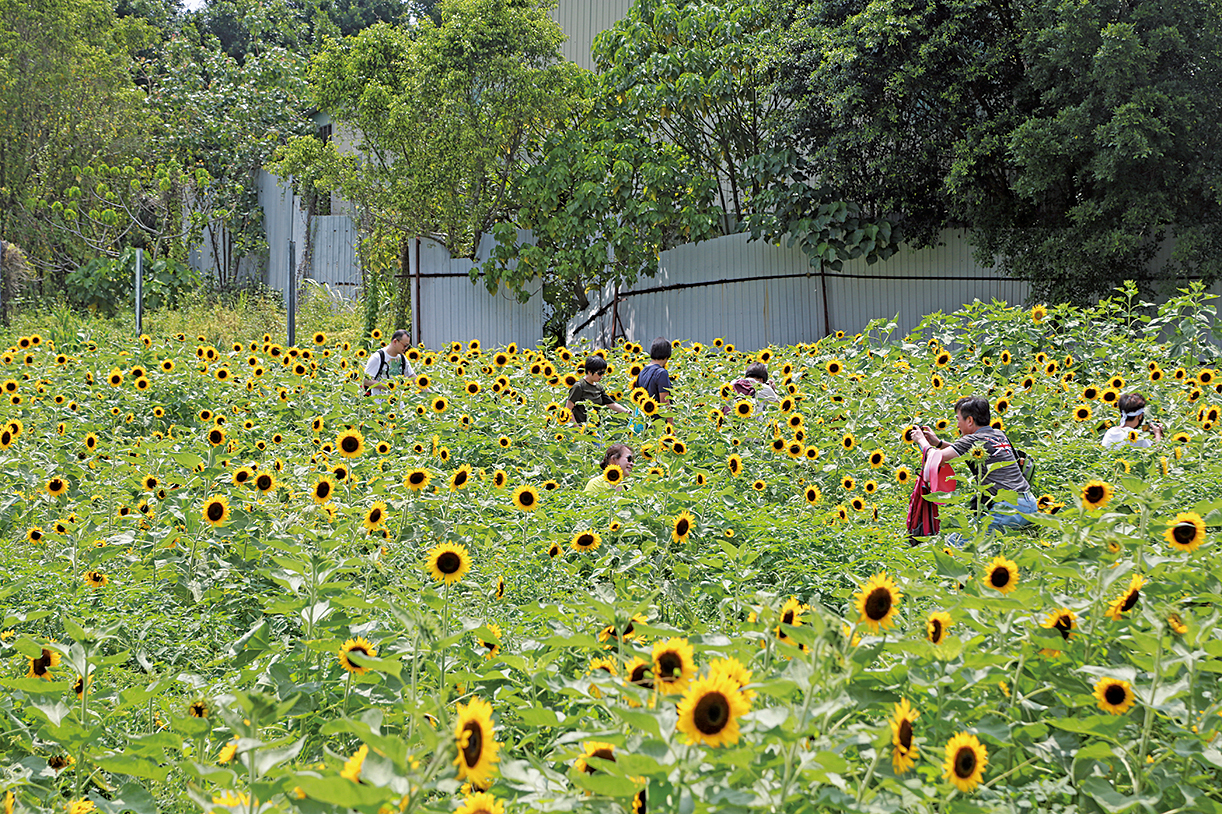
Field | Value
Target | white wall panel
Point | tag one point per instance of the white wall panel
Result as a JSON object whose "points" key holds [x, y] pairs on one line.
{"points": [[451, 308]]}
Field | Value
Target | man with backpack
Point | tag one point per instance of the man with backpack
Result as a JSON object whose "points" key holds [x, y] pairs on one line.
{"points": [[386, 362], [998, 461]]}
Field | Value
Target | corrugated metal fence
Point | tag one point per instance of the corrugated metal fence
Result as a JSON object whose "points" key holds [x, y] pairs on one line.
{"points": [[753, 294], [448, 307]]}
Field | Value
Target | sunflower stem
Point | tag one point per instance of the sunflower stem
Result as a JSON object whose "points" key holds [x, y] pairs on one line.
{"points": [[78, 775], [347, 690], [861, 790], [445, 633], [1148, 723]]}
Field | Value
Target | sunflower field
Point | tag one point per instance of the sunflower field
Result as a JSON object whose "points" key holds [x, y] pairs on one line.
{"points": [[232, 584]]}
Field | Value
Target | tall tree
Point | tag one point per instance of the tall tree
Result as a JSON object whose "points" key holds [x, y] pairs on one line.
{"points": [[227, 117], [67, 97], [444, 117], [1074, 140]]}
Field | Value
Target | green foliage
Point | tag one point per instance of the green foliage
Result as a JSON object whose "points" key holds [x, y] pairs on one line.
{"points": [[446, 115], [227, 117], [106, 285], [601, 203], [696, 74], [68, 100], [963, 114]]}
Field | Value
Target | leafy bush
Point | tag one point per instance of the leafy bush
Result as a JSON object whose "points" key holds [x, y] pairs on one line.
{"points": [[106, 285]]}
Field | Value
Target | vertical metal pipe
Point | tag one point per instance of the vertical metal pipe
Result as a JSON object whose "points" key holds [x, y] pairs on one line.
{"points": [[292, 294], [3, 279], [139, 291], [419, 306]]}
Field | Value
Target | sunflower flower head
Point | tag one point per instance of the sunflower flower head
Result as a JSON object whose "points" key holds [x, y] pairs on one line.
{"points": [[903, 750], [877, 601], [1186, 532], [1114, 695], [710, 710], [1001, 575], [674, 665], [449, 563], [1127, 600], [1096, 494], [360, 646], [476, 743], [966, 759]]}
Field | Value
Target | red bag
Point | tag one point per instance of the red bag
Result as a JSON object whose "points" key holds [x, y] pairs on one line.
{"points": [[922, 513]]}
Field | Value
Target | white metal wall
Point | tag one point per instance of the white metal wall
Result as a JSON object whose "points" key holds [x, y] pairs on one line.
{"points": [[753, 294], [582, 20], [336, 261], [450, 308]]}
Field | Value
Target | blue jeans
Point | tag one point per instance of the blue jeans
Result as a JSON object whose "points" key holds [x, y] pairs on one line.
{"points": [[1005, 515]]}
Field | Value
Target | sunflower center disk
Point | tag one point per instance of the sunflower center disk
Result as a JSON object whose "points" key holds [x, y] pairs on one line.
{"points": [[1185, 533], [475, 745], [965, 763], [449, 563], [905, 734], [712, 713], [878, 604], [1115, 695], [672, 667], [215, 511], [1000, 578], [1094, 494]]}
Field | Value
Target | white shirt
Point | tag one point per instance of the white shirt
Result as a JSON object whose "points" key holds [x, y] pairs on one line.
{"points": [[1115, 436], [374, 363]]}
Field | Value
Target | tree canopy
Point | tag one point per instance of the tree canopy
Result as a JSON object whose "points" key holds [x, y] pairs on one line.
{"points": [[1079, 143], [444, 117]]}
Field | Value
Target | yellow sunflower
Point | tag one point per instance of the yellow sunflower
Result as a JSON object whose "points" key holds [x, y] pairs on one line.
{"points": [[733, 669], [1187, 532], [350, 443], [359, 645], [56, 486], [323, 489], [526, 498], [96, 579], [1127, 600], [480, 802], [965, 761], [492, 645], [216, 511], [375, 517], [417, 479], [877, 601], [449, 563], [587, 540], [597, 749], [673, 665], [1001, 575], [40, 667], [1064, 621], [936, 625], [735, 464], [460, 478], [476, 743], [1114, 695], [710, 709], [265, 482], [1096, 494], [903, 750], [681, 527]]}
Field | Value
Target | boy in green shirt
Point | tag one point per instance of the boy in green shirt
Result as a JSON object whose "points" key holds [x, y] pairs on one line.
{"points": [[588, 389]]}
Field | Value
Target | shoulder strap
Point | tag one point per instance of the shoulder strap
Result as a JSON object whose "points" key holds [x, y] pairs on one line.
{"points": [[383, 364]]}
